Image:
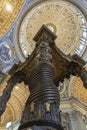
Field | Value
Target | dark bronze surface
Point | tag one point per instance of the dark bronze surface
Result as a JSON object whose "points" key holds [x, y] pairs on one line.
{"points": [[42, 106], [42, 71]]}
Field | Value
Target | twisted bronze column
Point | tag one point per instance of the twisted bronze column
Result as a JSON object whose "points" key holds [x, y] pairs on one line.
{"points": [[46, 65], [42, 106]]}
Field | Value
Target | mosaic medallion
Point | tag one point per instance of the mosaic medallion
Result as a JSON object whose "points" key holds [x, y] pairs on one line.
{"points": [[62, 18]]}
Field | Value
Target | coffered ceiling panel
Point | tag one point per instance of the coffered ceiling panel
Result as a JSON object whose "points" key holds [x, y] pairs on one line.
{"points": [[65, 20], [78, 91], [9, 10], [16, 103]]}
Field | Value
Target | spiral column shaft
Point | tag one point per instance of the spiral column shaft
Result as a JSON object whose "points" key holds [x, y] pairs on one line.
{"points": [[42, 107]]}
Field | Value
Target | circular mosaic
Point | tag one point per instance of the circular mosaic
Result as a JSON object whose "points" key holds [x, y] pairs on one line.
{"points": [[62, 18]]}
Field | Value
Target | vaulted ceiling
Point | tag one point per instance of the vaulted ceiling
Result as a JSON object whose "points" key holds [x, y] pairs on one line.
{"points": [[9, 10], [19, 22]]}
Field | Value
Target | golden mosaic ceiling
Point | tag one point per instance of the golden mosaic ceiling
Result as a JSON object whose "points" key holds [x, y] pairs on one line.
{"points": [[15, 104], [61, 17], [78, 91], [9, 10]]}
